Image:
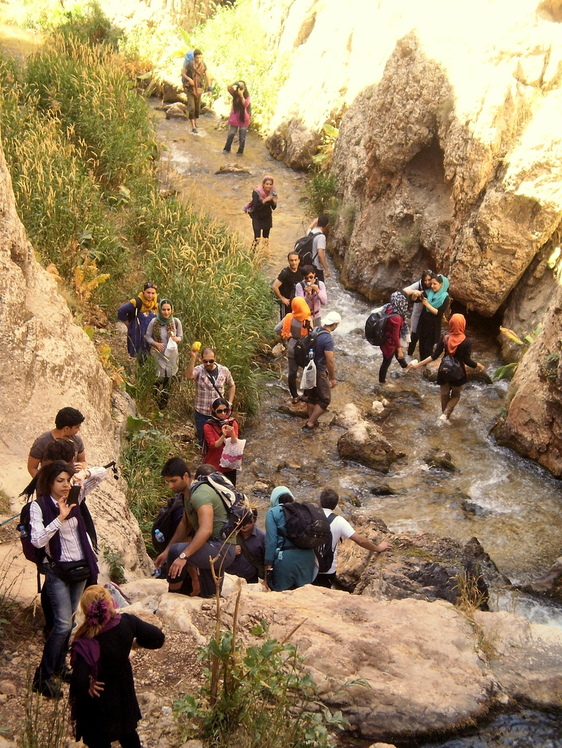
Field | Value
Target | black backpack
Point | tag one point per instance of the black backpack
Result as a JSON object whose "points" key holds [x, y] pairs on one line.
{"points": [[303, 247], [164, 526], [375, 326], [235, 503], [305, 347], [325, 552], [31, 553], [306, 525]]}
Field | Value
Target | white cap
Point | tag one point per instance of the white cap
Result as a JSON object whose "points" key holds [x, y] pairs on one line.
{"points": [[332, 318]]}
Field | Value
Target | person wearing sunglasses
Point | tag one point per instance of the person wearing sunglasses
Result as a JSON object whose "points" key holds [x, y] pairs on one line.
{"points": [[216, 431], [313, 291], [211, 380]]}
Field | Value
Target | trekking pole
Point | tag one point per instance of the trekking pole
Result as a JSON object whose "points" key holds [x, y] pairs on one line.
{"points": [[8, 520]]}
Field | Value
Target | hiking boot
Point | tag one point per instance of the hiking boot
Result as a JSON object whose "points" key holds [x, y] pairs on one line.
{"points": [[65, 674], [47, 687]]}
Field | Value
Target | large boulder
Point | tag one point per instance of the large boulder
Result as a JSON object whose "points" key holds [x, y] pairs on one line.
{"points": [[365, 443], [49, 362]]}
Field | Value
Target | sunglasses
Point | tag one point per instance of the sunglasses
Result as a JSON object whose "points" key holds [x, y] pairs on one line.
{"points": [[208, 360], [149, 285], [221, 410]]}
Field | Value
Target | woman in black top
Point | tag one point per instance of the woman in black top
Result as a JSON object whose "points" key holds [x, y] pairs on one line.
{"points": [[102, 692], [264, 201], [435, 301], [457, 345]]}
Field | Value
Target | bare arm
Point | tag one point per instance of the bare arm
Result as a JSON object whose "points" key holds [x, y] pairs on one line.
{"points": [[231, 392], [191, 365], [369, 545], [180, 536], [33, 465], [331, 367], [322, 258], [205, 515], [275, 286]]}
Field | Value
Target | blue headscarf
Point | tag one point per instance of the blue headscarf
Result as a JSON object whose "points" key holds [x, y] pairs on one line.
{"points": [[276, 493], [436, 298]]}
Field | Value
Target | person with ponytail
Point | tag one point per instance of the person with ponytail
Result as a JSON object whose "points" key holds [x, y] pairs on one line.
{"points": [[457, 345], [58, 526], [239, 116], [292, 327], [104, 705]]}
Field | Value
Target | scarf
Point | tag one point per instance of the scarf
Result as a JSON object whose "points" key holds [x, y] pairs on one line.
{"points": [[199, 71], [300, 312], [51, 512], [399, 305], [457, 326], [89, 648], [143, 306], [436, 298], [276, 493], [161, 321], [260, 190]]}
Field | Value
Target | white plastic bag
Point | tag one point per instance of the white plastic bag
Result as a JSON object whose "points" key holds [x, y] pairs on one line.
{"points": [[171, 346], [232, 452], [308, 379]]}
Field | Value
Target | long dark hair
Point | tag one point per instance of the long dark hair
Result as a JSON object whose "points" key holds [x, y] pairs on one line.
{"points": [[46, 476], [237, 103]]}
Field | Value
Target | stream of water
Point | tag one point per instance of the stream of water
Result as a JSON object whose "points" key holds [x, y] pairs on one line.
{"points": [[519, 507]]}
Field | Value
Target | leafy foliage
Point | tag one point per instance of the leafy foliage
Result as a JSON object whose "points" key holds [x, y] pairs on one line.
{"points": [[507, 371], [261, 697]]}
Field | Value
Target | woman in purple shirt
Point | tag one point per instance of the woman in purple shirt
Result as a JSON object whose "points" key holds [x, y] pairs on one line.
{"points": [[239, 116]]}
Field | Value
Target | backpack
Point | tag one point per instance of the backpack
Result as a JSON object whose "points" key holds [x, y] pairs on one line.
{"points": [[305, 347], [37, 555], [306, 525], [325, 553], [164, 526], [235, 503], [375, 326], [303, 247], [189, 57], [450, 367]]}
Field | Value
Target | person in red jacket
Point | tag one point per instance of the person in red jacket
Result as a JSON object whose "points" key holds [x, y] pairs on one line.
{"points": [[216, 431], [395, 332]]}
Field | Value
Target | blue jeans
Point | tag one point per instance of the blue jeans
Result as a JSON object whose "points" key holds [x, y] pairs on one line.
{"points": [[64, 599], [241, 138], [200, 421]]}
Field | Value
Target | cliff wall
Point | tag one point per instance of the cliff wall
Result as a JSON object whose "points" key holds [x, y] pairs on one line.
{"points": [[48, 363]]}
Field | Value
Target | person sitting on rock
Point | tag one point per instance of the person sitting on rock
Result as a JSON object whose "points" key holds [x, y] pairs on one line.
{"points": [[136, 315], [250, 551], [196, 540], [340, 529], [68, 422]]}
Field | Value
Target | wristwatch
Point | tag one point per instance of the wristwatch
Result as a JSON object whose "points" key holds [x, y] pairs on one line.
{"points": [[182, 556]]}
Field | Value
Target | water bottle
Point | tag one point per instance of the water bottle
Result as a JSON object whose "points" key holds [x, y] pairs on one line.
{"points": [[159, 535]]}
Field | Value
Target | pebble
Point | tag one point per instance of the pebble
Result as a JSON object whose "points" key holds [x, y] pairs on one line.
{"points": [[8, 688]]}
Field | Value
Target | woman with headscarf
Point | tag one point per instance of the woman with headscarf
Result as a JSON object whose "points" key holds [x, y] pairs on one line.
{"points": [[136, 315], [395, 333], [415, 293], [103, 701], [216, 431], [435, 303], [457, 345], [294, 326], [163, 334], [286, 567], [264, 202], [239, 116]]}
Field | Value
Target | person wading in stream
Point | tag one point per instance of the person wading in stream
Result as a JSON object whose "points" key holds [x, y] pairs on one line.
{"points": [[319, 397], [451, 375], [196, 80]]}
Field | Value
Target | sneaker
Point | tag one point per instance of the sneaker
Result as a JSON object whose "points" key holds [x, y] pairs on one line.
{"points": [[47, 688], [443, 418], [194, 130], [307, 427], [65, 674]]}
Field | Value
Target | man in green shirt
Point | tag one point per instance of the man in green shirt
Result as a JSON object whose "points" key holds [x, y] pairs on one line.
{"points": [[196, 540]]}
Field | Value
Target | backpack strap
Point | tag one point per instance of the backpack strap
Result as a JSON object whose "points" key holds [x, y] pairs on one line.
{"points": [[212, 381]]}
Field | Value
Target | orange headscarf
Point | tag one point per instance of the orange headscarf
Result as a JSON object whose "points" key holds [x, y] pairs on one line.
{"points": [[301, 312], [457, 326]]}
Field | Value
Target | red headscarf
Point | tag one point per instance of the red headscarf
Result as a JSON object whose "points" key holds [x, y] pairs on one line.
{"points": [[457, 326], [301, 312]]}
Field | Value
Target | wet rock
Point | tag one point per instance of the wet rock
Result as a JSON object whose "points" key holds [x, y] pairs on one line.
{"points": [[377, 408], [382, 489], [177, 110], [471, 507], [233, 169], [8, 688], [550, 583], [365, 443], [440, 459], [349, 416], [298, 410], [525, 657]]}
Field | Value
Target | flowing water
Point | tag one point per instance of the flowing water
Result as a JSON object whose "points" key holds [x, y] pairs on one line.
{"points": [[518, 515], [519, 507]]}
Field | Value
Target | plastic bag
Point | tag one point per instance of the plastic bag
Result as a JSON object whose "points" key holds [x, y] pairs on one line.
{"points": [[232, 452], [308, 379], [170, 347]]}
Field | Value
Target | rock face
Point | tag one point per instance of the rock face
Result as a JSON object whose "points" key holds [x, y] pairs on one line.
{"points": [[421, 660], [533, 424], [48, 363]]}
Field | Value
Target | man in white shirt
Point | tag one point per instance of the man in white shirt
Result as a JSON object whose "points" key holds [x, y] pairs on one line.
{"points": [[319, 227], [340, 529]]}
